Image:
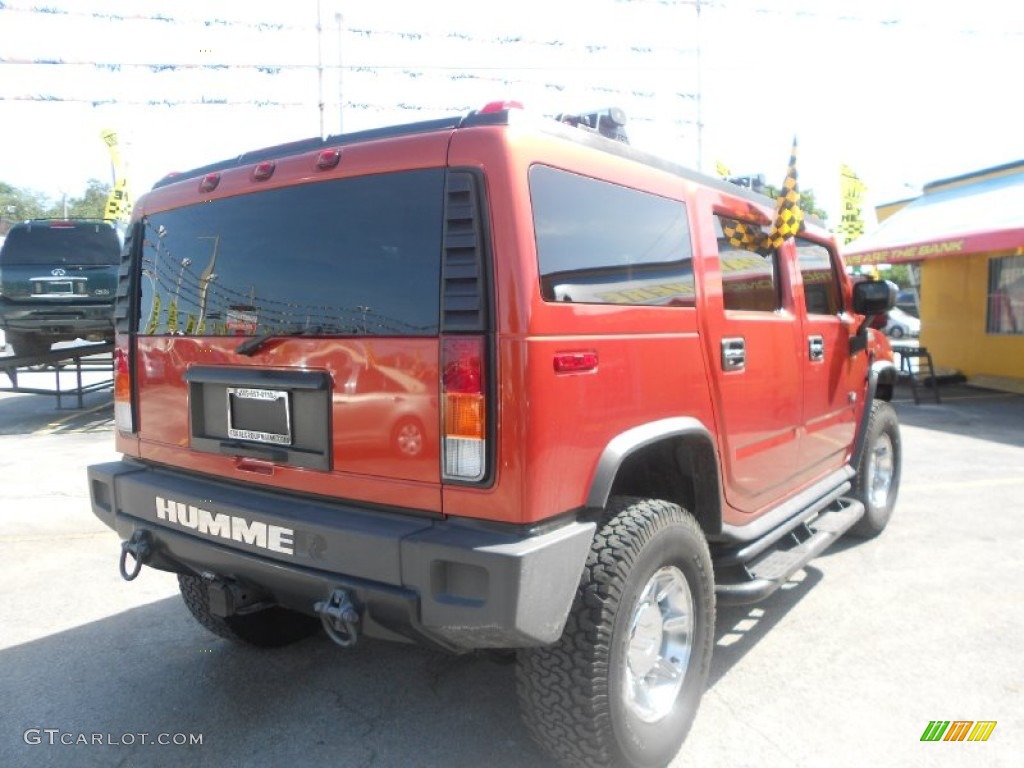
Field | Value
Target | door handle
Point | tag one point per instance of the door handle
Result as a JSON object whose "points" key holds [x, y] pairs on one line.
{"points": [[734, 354], [815, 348]]}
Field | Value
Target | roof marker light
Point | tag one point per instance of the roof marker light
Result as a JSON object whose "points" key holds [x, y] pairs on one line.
{"points": [[328, 158], [501, 106], [263, 171], [209, 182]]}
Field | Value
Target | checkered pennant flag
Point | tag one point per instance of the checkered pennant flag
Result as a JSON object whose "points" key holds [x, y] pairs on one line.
{"points": [[743, 235], [789, 217]]}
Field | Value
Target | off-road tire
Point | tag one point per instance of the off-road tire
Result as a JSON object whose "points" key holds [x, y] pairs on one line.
{"points": [[573, 694], [269, 628], [881, 444]]}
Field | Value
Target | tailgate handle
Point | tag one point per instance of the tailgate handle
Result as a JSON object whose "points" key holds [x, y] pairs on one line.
{"points": [[734, 354]]}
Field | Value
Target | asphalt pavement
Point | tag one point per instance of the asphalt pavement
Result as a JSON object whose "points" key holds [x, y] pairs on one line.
{"points": [[845, 666]]}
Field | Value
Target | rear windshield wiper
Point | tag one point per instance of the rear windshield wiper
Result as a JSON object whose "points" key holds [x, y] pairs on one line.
{"points": [[250, 347]]}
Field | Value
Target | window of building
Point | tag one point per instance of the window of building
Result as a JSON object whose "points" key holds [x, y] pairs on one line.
{"points": [[601, 243], [1005, 295], [750, 280]]}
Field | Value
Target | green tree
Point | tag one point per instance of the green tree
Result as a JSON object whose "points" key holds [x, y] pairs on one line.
{"points": [[807, 202], [93, 202], [17, 204]]}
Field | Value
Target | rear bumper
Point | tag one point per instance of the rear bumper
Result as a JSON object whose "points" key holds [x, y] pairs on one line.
{"points": [[448, 583], [56, 317]]}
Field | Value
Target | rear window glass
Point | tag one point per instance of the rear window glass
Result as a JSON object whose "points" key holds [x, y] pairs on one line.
{"points": [[357, 256], [600, 243], [41, 244]]}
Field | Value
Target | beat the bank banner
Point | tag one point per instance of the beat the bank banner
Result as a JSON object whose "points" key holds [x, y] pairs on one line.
{"points": [[851, 190], [119, 206]]}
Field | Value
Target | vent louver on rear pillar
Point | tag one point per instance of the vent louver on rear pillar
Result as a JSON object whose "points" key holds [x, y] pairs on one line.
{"points": [[463, 290], [123, 299]]}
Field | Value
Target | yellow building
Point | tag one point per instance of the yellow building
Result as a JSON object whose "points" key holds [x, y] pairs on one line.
{"points": [[967, 233]]}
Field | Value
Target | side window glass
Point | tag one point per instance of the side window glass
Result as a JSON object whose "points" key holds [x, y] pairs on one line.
{"points": [[750, 278], [600, 243], [821, 282]]}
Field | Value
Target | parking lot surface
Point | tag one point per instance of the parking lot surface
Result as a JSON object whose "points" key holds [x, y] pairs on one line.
{"points": [[845, 666]]}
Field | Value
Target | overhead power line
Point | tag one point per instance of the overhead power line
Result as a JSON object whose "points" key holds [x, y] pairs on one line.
{"points": [[415, 69], [784, 10], [42, 10]]}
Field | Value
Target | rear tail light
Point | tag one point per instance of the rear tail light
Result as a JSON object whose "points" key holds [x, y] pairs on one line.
{"points": [[464, 438], [124, 416]]}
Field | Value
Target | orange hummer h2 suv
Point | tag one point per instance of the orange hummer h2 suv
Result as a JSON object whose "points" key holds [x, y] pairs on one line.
{"points": [[492, 382]]}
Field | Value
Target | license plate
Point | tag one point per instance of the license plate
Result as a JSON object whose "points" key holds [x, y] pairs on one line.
{"points": [[259, 415], [59, 286]]}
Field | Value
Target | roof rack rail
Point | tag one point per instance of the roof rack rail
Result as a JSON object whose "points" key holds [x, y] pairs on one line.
{"points": [[610, 122]]}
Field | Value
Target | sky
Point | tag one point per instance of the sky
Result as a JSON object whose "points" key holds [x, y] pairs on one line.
{"points": [[903, 91]]}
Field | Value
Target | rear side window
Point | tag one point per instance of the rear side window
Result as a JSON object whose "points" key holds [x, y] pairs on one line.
{"points": [[750, 279], [600, 243], [357, 256], [78, 244]]}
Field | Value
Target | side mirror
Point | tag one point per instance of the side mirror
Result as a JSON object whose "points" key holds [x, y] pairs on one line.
{"points": [[870, 298], [874, 297]]}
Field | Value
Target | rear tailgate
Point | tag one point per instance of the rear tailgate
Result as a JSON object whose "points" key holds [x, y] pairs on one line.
{"points": [[288, 334]]}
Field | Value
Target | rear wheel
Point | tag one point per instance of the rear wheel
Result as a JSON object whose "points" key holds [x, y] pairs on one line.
{"points": [[269, 628], [622, 685], [878, 475], [27, 343]]}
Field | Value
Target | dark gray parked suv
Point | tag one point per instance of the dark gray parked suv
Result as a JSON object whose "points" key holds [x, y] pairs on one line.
{"points": [[57, 282]]}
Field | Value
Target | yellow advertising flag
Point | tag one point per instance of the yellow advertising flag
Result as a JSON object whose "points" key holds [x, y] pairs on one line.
{"points": [[851, 191], [119, 205]]}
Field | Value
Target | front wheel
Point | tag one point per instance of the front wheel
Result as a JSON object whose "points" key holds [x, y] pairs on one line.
{"points": [[623, 684], [878, 474]]}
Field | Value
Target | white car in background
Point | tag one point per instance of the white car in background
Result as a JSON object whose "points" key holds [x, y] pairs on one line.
{"points": [[899, 324]]}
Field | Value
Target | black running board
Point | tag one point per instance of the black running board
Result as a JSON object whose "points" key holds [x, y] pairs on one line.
{"points": [[756, 579]]}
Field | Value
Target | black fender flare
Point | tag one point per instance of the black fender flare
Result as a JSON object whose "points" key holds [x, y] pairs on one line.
{"points": [[880, 370], [623, 445]]}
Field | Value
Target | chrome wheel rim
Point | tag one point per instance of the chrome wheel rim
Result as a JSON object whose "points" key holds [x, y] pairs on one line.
{"points": [[881, 467], [659, 645]]}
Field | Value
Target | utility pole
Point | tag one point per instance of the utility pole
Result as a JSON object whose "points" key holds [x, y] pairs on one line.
{"points": [[341, 93], [700, 114], [320, 68]]}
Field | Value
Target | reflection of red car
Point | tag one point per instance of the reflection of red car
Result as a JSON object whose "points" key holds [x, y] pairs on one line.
{"points": [[385, 408]]}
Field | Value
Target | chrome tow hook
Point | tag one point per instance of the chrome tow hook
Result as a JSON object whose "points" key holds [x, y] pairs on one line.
{"points": [[140, 547], [339, 617]]}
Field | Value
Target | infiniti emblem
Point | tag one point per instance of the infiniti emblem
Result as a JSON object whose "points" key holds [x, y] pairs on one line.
{"points": [[58, 272]]}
